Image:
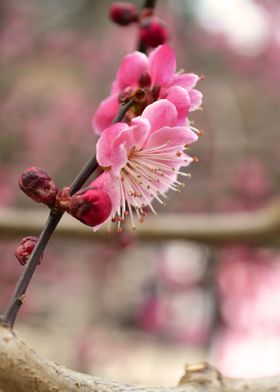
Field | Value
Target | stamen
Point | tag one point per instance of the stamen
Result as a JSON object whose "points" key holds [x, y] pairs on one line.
{"points": [[143, 175]]}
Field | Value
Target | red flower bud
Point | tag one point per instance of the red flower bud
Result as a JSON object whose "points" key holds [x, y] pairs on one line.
{"points": [[37, 184], [90, 206], [153, 32], [123, 13], [25, 248]]}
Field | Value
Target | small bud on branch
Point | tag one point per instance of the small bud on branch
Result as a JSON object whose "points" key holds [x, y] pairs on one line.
{"points": [[37, 184], [153, 32], [92, 206], [25, 248], [123, 13]]}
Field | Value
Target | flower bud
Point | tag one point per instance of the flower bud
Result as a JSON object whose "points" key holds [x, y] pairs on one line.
{"points": [[90, 206], [25, 248], [153, 32], [37, 184], [123, 13]]}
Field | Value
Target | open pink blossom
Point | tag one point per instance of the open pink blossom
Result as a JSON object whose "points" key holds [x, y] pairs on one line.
{"points": [[141, 161], [152, 77]]}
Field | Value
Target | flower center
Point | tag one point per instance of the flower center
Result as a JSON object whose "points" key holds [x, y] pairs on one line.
{"points": [[144, 94], [148, 174]]}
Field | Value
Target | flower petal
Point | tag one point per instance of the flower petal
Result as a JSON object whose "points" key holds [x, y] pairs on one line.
{"points": [[162, 65], [108, 183], [186, 80], [161, 113], [131, 69], [181, 99], [196, 99], [140, 128], [110, 148], [175, 136], [105, 113]]}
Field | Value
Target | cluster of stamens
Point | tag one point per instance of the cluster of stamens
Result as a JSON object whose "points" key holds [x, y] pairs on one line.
{"points": [[146, 172]]}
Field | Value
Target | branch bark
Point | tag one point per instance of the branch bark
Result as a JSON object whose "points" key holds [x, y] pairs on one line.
{"points": [[22, 370]]}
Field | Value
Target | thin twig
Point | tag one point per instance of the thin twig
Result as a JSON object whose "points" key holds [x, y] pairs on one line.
{"points": [[123, 109], [54, 217], [147, 4], [92, 164], [24, 280]]}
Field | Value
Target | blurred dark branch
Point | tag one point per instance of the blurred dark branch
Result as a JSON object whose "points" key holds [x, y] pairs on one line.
{"points": [[259, 228], [149, 4]]}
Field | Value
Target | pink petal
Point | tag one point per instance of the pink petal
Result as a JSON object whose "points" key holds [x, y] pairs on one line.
{"points": [[129, 137], [176, 136], [108, 183], [131, 69], [115, 87], [110, 148], [162, 65], [105, 113], [196, 99], [119, 159], [161, 113], [140, 128], [186, 80], [181, 99]]}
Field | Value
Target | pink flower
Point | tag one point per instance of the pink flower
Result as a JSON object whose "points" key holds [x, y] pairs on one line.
{"points": [[141, 161], [154, 77]]}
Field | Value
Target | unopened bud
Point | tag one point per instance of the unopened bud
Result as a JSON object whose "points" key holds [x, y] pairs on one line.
{"points": [[25, 248], [37, 184], [91, 206], [123, 13], [153, 32]]}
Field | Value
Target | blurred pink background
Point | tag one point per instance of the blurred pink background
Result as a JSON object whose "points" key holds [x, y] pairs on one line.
{"points": [[141, 300]]}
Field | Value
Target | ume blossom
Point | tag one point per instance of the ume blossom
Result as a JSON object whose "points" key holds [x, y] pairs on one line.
{"points": [[148, 79], [141, 161]]}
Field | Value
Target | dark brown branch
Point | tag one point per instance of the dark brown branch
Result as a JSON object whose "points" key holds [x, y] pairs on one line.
{"points": [[150, 4], [54, 217], [123, 109], [24, 280], [84, 174]]}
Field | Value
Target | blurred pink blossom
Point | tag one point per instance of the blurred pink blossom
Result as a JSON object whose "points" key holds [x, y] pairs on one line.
{"points": [[154, 76]]}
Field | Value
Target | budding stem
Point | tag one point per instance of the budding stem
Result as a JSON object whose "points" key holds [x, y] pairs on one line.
{"points": [[147, 4], [16, 300], [24, 280]]}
